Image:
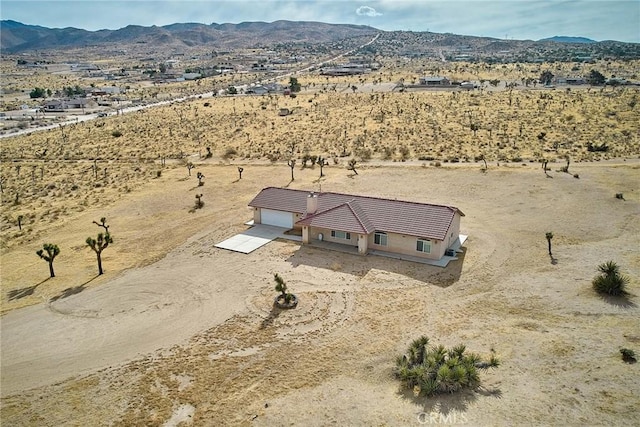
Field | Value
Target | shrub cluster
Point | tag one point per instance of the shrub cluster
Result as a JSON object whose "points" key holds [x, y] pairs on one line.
{"points": [[435, 370]]}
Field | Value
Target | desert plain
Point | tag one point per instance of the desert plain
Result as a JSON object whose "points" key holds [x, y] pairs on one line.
{"points": [[178, 331]]}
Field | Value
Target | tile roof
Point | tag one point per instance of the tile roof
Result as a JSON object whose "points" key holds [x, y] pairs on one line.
{"points": [[362, 214], [345, 217]]}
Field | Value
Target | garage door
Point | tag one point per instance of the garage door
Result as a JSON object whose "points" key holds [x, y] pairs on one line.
{"points": [[277, 218]]}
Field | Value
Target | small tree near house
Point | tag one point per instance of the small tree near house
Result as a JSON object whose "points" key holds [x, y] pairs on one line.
{"points": [[100, 243], [292, 164], [48, 253], [285, 299]]}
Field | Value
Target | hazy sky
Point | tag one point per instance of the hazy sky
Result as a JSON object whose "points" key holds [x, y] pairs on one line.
{"points": [[518, 19]]}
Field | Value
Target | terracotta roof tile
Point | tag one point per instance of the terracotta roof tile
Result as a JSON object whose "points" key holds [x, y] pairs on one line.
{"points": [[362, 214]]}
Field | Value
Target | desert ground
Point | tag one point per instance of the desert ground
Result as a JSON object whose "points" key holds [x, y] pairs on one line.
{"points": [[178, 331], [191, 335]]}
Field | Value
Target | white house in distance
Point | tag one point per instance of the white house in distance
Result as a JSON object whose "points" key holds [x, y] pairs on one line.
{"points": [[372, 224], [434, 81]]}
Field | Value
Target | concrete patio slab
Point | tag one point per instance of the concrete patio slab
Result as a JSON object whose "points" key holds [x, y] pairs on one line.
{"points": [[252, 239]]}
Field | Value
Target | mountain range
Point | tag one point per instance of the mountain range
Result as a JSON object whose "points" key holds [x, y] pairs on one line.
{"points": [[16, 37]]}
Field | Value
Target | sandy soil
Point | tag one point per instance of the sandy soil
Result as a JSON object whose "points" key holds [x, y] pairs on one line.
{"points": [[179, 331]]}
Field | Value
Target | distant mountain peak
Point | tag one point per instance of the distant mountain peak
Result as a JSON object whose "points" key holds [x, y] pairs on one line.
{"points": [[568, 39]]}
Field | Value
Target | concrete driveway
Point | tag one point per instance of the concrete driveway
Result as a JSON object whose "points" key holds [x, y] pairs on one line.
{"points": [[250, 240]]}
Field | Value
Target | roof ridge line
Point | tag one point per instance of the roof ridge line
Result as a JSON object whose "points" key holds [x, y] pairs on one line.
{"points": [[355, 214], [358, 196]]}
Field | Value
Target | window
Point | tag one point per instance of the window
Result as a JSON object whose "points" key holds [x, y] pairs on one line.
{"points": [[423, 246], [340, 235], [380, 238]]}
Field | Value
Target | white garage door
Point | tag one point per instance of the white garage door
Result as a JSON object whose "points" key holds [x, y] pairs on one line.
{"points": [[277, 218]]}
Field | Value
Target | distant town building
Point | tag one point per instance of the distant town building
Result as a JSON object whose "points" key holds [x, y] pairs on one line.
{"points": [[59, 105], [434, 81]]}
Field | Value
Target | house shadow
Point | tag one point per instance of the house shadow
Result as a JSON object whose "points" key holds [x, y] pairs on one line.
{"points": [[72, 291], [359, 265], [16, 294]]}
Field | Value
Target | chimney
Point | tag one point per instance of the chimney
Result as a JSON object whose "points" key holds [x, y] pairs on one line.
{"points": [[312, 203]]}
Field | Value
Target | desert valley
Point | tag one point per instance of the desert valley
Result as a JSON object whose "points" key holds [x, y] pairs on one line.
{"points": [[179, 332]]}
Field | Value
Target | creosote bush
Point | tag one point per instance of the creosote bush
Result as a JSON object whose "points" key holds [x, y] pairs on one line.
{"points": [[436, 370]]}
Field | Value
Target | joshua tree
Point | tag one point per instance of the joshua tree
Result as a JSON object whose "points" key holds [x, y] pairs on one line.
{"points": [[281, 287], [322, 162], [546, 77], [544, 166], [101, 243], [352, 166], [240, 170], [434, 370], [189, 167], [102, 224], [51, 252], [292, 164], [294, 86], [209, 153], [484, 160], [610, 281], [199, 202], [20, 218], [200, 177], [549, 236]]}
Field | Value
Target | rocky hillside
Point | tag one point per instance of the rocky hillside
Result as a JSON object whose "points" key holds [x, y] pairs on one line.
{"points": [[16, 37]]}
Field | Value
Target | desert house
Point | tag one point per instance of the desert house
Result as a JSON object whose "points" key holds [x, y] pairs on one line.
{"points": [[434, 81], [69, 104], [418, 230]]}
